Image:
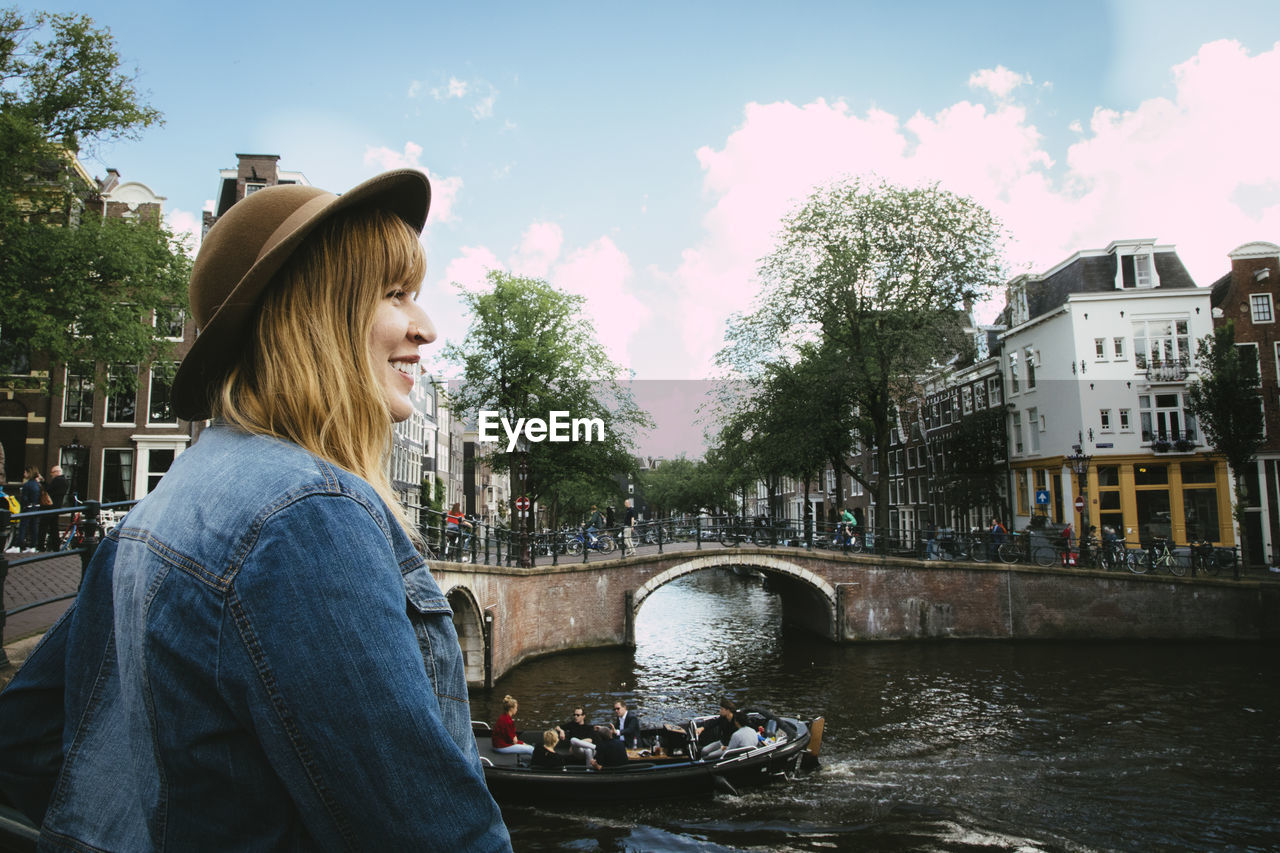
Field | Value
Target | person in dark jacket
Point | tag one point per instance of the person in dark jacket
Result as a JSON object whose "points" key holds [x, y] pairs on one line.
{"points": [[57, 489], [29, 495], [545, 757]]}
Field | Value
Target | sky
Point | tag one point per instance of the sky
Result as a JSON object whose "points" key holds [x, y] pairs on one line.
{"points": [[644, 155]]}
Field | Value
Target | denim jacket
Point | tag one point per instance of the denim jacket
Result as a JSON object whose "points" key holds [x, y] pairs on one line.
{"points": [[258, 659]]}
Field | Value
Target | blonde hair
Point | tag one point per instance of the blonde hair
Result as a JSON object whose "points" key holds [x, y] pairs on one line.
{"points": [[306, 375], [550, 738], [508, 702]]}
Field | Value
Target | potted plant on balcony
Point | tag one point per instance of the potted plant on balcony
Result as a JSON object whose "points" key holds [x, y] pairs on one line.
{"points": [[1161, 445], [1184, 445]]}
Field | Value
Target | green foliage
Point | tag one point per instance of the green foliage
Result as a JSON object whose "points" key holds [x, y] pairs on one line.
{"points": [[683, 485], [62, 89], [530, 351], [1227, 402], [863, 291], [73, 292], [103, 279]]}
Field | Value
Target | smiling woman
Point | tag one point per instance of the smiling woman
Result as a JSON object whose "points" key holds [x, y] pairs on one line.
{"points": [[266, 659]]}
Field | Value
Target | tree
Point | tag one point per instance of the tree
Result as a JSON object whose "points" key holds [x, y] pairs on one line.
{"points": [[77, 288], [1227, 402], [528, 352], [687, 486], [61, 88], [974, 454], [873, 277]]}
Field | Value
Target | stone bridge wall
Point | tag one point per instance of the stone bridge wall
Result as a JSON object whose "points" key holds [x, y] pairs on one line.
{"points": [[506, 615]]}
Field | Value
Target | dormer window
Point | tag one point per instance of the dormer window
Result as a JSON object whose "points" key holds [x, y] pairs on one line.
{"points": [[1135, 271]]}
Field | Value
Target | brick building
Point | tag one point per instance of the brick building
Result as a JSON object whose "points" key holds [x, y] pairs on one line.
{"points": [[1247, 295]]}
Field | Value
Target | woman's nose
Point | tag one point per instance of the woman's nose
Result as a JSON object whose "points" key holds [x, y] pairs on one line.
{"points": [[421, 329]]}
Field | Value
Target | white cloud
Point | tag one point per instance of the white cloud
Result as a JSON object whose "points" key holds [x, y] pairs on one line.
{"points": [[444, 191], [999, 81], [187, 226], [480, 93], [600, 272], [1188, 171], [539, 248]]}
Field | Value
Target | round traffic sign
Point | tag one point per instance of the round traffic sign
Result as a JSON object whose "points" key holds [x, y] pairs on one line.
{"points": [[522, 503], [1079, 504]]}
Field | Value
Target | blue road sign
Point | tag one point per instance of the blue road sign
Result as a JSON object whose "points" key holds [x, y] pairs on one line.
{"points": [[1042, 496]]}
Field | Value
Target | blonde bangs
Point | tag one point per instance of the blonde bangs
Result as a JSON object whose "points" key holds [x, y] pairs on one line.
{"points": [[306, 375]]}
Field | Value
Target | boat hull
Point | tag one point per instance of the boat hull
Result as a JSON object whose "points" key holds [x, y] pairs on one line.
{"points": [[649, 778]]}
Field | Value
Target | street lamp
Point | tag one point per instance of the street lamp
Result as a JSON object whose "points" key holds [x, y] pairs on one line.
{"points": [[1079, 462]]}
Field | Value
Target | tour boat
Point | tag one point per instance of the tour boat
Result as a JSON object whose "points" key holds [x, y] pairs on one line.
{"points": [[667, 764]]}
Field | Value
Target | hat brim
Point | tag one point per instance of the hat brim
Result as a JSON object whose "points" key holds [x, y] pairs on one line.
{"points": [[403, 192]]}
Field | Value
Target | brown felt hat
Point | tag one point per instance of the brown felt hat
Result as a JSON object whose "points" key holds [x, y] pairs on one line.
{"points": [[243, 251]]}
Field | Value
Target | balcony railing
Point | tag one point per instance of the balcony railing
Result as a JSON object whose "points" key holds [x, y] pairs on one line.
{"points": [[1164, 441], [1165, 370]]}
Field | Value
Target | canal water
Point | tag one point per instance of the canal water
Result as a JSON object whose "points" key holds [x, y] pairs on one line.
{"points": [[951, 746]]}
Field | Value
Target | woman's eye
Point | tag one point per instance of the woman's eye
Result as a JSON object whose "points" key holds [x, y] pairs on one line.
{"points": [[396, 294]]}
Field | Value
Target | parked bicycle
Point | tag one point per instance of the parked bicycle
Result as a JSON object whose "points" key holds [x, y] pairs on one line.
{"points": [[1155, 557], [739, 531], [602, 542], [1205, 559]]}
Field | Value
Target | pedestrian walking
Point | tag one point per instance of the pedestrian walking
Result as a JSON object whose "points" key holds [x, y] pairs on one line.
{"points": [[265, 659], [56, 489], [628, 528]]}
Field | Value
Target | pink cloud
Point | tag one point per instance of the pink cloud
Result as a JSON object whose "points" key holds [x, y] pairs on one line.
{"points": [[539, 248], [1176, 170], [444, 191]]}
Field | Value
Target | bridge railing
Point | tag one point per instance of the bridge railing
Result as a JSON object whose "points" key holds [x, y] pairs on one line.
{"points": [[496, 544]]}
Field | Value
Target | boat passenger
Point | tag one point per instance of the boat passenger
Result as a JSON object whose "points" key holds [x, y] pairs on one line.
{"points": [[628, 725], [580, 734], [505, 739], [611, 752], [545, 757], [743, 735], [721, 728]]}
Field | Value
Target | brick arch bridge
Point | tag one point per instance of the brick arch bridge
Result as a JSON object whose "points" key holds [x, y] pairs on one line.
{"points": [[505, 615]]}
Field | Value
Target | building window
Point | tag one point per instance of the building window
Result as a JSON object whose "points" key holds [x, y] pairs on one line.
{"points": [[158, 462], [1125, 424], [1260, 307], [966, 399], [78, 403], [1161, 342], [122, 394], [1135, 271], [979, 396], [996, 394], [1100, 348], [169, 322], [1250, 360], [160, 408], [1165, 418], [1033, 429], [1020, 482], [117, 475], [1104, 418], [251, 187], [1017, 432], [1031, 368], [1118, 348], [1013, 373]]}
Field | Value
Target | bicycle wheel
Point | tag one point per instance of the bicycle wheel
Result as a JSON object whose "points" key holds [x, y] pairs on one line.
{"points": [[1044, 555], [1138, 562], [1172, 562], [1210, 565], [574, 546], [1008, 552], [978, 551], [607, 545], [729, 538]]}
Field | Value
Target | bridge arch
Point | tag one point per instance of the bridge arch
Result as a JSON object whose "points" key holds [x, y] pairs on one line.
{"points": [[822, 589], [468, 622]]}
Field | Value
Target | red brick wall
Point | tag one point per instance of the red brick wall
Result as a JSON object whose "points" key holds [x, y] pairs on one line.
{"points": [[549, 609]]}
